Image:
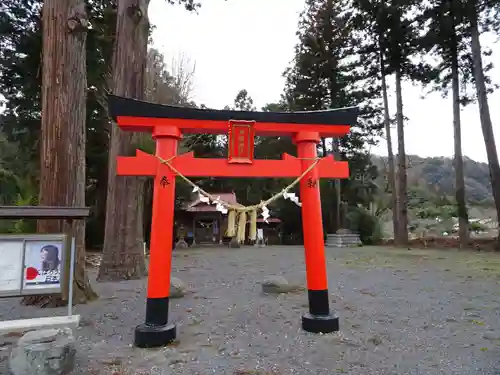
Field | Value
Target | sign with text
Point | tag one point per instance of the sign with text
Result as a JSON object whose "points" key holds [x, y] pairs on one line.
{"points": [[31, 264], [241, 136]]}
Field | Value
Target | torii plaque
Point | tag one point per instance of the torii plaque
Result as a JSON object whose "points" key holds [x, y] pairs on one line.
{"points": [[167, 124]]}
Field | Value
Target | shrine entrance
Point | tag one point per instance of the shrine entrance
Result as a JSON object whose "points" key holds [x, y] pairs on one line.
{"points": [[206, 231], [167, 124]]}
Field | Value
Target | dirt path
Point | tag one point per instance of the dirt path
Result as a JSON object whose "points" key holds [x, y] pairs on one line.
{"points": [[402, 312]]}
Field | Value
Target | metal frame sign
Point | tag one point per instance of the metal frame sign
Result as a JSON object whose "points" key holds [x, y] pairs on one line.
{"points": [[32, 264]]}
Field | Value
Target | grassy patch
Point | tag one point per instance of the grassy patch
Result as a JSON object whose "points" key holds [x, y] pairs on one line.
{"points": [[462, 263]]}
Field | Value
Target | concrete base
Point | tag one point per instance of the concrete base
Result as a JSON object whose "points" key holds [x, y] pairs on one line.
{"points": [[343, 238], [23, 325], [320, 323], [154, 336]]}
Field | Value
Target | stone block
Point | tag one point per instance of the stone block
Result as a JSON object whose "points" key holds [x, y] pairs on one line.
{"points": [[343, 238], [277, 285], [44, 352], [177, 288]]}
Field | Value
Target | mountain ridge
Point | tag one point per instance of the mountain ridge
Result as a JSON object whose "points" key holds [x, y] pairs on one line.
{"points": [[436, 175]]}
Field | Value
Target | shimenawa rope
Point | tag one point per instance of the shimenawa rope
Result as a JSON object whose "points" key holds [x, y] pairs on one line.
{"points": [[241, 211]]}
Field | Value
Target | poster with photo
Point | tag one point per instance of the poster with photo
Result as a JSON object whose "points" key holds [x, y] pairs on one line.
{"points": [[42, 265]]}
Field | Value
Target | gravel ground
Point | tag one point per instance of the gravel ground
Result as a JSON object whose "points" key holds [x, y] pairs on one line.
{"points": [[402, 312]]}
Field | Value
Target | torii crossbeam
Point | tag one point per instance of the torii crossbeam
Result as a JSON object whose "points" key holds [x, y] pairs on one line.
{"points": [[167, 124]]}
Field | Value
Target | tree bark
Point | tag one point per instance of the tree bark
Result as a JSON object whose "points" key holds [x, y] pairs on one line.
{"points": [[330, 213], [463, 218], [62, 152], [402, 204], [332, 84], [101, 195], [390, 154], [123, 256], [484, 111], [323, 147], [338, 189]]}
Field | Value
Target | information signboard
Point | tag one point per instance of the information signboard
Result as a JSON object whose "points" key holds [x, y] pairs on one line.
{"points": [[11, 267], [31, 264]]}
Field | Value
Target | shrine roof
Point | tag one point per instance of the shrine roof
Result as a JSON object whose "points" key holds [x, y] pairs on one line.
{"points": [[125, 107]]}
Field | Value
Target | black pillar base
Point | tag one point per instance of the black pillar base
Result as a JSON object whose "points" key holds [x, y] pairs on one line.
{"points": [[320, 323], [147, 336]]}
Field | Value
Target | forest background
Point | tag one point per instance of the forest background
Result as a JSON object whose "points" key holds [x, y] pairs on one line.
{"points": [[348, 53]]}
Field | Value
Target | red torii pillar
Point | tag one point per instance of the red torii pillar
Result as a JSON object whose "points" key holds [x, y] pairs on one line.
{"points": [[167, 123]]}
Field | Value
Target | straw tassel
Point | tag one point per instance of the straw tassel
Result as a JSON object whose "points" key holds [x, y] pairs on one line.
{"points": [[252, 236], [231, 223], [242, 222]]}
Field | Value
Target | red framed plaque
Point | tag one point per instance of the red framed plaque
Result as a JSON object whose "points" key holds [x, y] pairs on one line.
{"points": [[241, 136]]}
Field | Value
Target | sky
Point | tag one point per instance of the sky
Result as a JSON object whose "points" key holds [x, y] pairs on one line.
{"points": [[247, 44]]}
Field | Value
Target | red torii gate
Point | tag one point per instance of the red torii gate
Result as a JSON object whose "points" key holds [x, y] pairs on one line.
{"points": [[167, 124]]}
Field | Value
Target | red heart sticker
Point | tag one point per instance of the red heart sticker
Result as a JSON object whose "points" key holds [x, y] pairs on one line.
{"points": [[31, 273]]}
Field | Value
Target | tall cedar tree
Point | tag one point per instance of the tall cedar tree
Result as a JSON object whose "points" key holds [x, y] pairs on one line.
{"points": [[102, 15], [21, 72], [369, 47], [398, 38], [124, 230], [448, 39], [123, 237], [64, 84], [398, 35], [474, 10], [322, 77]]}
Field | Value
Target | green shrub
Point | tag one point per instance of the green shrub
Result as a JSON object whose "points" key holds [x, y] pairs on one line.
{"points": [[477, 227], [433, 211], [361, 221]]}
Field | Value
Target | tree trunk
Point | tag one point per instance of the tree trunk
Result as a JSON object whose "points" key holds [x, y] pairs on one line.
{"points": [[401, 188], [329, 223], [148, 210], [123, 256], [332, 66], [463, 218], [62, 151], [338, 189], [323, 147], [390, 154], [484, 112], [101, 196]]}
